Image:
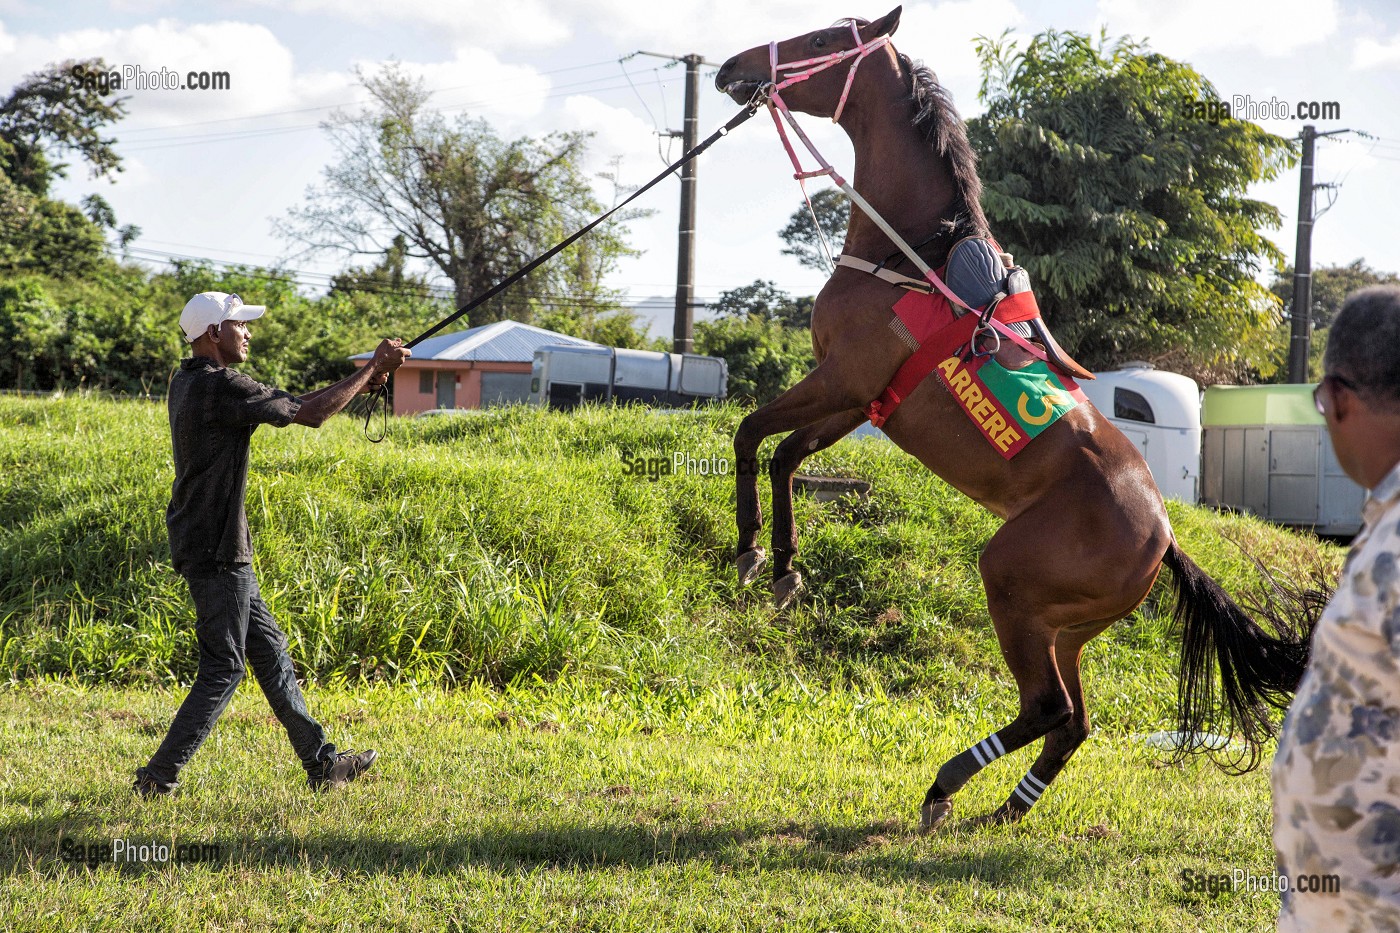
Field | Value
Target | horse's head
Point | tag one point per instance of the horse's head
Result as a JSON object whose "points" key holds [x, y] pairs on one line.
{"points": [[827, 56]]}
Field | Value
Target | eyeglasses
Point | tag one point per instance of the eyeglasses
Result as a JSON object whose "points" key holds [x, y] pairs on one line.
{"points": [[1330, 377]]}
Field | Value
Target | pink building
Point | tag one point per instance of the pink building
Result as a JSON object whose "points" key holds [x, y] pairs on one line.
{"points": [[475, 368]]}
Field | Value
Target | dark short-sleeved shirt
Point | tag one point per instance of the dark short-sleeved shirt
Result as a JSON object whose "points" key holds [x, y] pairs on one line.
{"points": [[213, 413]]}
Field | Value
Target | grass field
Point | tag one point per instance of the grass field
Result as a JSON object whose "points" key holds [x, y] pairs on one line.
{"points": [[584, 724]]}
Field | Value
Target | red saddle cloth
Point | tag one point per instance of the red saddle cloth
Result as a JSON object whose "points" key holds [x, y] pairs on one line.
{"points": [[930, 319]]}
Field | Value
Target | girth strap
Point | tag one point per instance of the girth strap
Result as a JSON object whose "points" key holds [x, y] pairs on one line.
{"points": [[880, 272]]}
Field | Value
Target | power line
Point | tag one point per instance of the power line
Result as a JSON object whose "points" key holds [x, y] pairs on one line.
{"points": [[311, 279], [714, 290]]}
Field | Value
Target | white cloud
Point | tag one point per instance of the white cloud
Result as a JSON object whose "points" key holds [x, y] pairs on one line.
{"points": [[521, 24], [942, 37], [1185, 27], [941, 34], [1371, 53], [477, 83], [714, 28], [261, 71], [617, 133], [264, 80], [721, 28]]}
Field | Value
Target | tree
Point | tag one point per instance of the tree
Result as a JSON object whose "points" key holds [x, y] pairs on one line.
{"points": [[50, 114], [53, 238], [104, 218], [764, 357], [32, 327], [101, 331], [1126, 206], [767, 302], [1330, 287], [386, 278], [473, 206], [621, 328], [833, 211]]}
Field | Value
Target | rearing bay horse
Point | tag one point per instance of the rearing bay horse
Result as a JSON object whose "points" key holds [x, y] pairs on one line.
{"points": [[1081, 484]]}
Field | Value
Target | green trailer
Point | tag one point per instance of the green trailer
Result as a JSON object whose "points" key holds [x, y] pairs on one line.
{"points": [[1265, 450]]}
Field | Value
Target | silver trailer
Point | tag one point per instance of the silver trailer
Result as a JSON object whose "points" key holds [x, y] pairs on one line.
{"points": [[1267, 452], [566, 376]]}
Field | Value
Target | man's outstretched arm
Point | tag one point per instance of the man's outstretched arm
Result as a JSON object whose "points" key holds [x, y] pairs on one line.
{"points": [[317, 407]]}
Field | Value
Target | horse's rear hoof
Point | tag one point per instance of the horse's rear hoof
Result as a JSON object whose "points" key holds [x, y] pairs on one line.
{"points": [[785, 589], [750, 562], [933, 813]]}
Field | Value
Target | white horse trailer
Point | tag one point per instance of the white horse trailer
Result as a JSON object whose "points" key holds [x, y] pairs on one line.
{"points": [[566, 376], [1160, 412]]}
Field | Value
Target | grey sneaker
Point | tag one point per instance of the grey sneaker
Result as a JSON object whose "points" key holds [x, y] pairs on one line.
{"points": [[342, 769], [146, 785]]}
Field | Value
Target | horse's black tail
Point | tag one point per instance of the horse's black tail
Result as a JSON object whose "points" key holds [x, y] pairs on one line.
{"points": [[1259, 673]]}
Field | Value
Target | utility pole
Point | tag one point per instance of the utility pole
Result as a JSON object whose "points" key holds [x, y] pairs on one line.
{"points": [[1302, 262], [684, 332]]}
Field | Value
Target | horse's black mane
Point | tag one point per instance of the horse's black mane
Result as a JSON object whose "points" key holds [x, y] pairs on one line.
{"points": [[937, 119]]}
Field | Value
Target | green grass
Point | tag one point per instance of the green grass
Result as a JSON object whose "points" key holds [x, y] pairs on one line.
{"points": [[575, 807], [585, 724]]}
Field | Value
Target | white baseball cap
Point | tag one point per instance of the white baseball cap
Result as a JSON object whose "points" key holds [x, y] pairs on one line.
{"points": [[214, 308]]}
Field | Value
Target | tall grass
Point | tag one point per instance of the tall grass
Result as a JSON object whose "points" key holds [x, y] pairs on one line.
{"points": [[510, 545]]}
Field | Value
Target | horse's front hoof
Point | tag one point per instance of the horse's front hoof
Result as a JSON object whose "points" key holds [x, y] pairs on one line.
{"points": [[933, 814], [786, 589], [749, 563]]}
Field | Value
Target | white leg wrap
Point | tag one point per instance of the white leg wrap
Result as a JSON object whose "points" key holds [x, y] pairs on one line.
{"points": [[988, 750], [1030, 789]]}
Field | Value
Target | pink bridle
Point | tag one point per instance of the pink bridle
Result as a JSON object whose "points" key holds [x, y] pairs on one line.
{"points": [[822, 63], [773, 94], [774, 98]]}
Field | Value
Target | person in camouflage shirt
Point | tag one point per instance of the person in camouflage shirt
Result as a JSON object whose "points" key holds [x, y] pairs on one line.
{"points": [[1336, 775]]}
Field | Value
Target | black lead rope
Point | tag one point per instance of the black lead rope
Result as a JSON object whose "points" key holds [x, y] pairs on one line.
{"points": [[379, 395]]}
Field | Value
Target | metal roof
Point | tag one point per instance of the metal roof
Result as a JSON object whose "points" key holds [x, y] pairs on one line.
{"points": [[500, 342]]}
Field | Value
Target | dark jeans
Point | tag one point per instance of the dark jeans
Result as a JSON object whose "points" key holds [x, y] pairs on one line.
{"points": [[233, 623]]}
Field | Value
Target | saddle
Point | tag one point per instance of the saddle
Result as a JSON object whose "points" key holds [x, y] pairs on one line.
{"points": [[980, 274], [983, 276], [978, 295]]}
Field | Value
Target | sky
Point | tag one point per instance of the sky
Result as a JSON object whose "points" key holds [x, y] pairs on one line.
{"points": [[207, 173]]}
